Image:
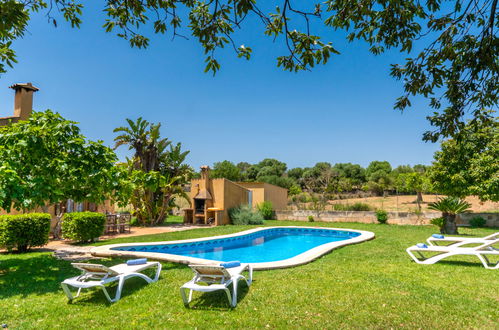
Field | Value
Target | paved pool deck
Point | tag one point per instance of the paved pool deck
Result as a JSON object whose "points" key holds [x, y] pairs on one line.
{"points": [[63, 249]]}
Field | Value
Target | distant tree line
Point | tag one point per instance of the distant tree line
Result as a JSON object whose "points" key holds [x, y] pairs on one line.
{"points": [[324, 178]]}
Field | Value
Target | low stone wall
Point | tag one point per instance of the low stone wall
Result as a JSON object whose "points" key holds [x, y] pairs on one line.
{"points": [[492, 219], [399, 218]]}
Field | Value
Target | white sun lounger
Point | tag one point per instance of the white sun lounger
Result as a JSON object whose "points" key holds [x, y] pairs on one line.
{"points": [[481, 252], [214, 278], [96, 275], [467, 240]]}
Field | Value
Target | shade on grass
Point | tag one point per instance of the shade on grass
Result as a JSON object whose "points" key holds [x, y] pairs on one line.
{"points": [[372, 284]]}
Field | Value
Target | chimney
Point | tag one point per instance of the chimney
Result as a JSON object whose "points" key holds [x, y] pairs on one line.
{"points": [[23, 102], [205, 174], [203, 188]]}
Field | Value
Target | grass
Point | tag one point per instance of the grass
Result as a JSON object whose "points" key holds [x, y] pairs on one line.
{"points": [[369, 285], [170, 220]]}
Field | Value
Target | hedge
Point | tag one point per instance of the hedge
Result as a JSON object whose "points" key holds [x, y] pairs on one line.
{"points": [[24, 231], [83, 226]]}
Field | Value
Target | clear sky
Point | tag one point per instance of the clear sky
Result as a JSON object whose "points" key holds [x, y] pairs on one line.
{"points": [[340, 112]]}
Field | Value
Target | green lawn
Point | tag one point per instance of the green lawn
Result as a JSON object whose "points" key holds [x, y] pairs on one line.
{"points": [[369, 285]]}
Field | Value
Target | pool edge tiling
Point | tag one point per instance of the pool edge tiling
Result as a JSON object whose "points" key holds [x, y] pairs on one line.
{"points": [[300, 259]]}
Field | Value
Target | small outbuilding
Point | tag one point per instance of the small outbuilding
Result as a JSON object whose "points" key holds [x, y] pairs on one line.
{"points": [[212, 198]]}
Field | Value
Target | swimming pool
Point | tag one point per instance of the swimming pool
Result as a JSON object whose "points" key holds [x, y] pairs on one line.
{"points": [[264, 248]]}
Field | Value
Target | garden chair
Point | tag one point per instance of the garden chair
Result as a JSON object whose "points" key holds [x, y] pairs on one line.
{"points": [[455, 240], [124, 223], [213, 278], [96, 275], [111, 224], [482, 252]]}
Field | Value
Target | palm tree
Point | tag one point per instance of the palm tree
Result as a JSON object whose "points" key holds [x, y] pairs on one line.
{"points": [[144, 138], [450, 207], [158, 172]]}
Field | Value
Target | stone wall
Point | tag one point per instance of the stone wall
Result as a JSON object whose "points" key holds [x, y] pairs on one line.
{"points": [[400, 218], [491, 218]]}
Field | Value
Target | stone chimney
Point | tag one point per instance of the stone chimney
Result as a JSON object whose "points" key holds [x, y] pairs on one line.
{"points": [[23, 101], [203, 188], [205, 172]]}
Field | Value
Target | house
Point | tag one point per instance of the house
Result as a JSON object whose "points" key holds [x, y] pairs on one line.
{"points": [[23, 107], [211, 199], [23, 103]]}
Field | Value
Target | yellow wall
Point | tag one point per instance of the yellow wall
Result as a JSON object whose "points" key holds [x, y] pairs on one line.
{"points": [[267, 192], [277, 196], [234, 195], [224, 193]]}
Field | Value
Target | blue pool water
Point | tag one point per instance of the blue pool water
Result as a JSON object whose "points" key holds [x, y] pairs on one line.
{"points": [[263, 246]]}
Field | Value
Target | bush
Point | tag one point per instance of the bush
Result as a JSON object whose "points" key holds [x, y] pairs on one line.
{"points": [[303, 198], [352, 207], [310, 218], [83, 226], [294, 190], [134, 222], [245, 215], [477, 221], [382, 216], [24, 231], [439, 222], [265, 209]]}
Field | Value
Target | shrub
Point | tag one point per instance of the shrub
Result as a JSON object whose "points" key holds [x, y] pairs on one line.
{"points": [[83, 226], [439, 222], [477, 221], [24, 231], [352, 207], [265, 208], [245, 215], [294, 190], [382, 216], [310, 218], [134, 222], [303, 198]]}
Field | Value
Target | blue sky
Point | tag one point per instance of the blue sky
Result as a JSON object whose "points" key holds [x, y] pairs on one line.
{"points": [[340, 112]]}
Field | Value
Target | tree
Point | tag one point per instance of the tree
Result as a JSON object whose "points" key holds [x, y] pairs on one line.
{"points": [[354, 174], [378, 166], [450, 207], [155, 175], [414, 182], [226, 169], [468, 164], [280, 181], [266, 168], [296, 173], [321, 178], [243, 168], [421, 168], [454, 46], [402, 169], [378, 176], [270, 166], [46, 160]]}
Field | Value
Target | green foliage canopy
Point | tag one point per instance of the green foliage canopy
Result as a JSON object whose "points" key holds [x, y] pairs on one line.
{"points": [[468, 164], [453, 47], [154, 178], [47, 160], [226, 169]]}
